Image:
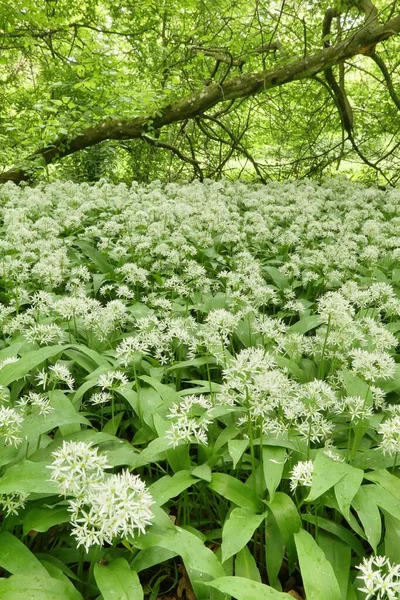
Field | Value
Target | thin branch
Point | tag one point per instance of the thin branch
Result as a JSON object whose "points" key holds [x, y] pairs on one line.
{"points": [[158, 144], [385, 72]]}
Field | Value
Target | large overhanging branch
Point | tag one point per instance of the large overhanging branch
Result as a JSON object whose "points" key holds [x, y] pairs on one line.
{"points": [[361, 42]]}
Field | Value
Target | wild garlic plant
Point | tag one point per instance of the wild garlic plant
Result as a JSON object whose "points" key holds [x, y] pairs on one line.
{"points": [[210, 363]]}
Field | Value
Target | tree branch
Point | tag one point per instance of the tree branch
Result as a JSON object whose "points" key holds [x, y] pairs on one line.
{"points": [[198, 103], [158, 144], [385, 72]]}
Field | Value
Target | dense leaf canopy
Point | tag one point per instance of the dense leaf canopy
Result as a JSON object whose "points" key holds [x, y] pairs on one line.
{"points": [[266, 89]]}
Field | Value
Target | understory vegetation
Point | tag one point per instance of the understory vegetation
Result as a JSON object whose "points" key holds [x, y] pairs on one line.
{"points": [[200, 391]]}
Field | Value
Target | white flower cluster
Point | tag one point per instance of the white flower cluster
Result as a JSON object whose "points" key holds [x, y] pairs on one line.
{"points": [[381, 578], [103, 507], [190, 420]]}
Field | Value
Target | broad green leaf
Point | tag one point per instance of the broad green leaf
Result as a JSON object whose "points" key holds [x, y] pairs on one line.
{"points": [[16, 558], [80, 359], [32, 586], [202, 472], [149, 403], [383, 499], [152, 453], [246, 589], [273, 463], [291, 366], [356, 387], [338, 530], [27, 477], [369, 515], [288, 520], [236, 449], [245, 565], [116, 581], [346, 489], [318, 576], [168, 487], [274, 550], [200, 562], [234, 490], [30, 360], [63, 413], [389, 482], [167, 393], [326, 474], [150, 557], [392, 538], [306, 324], [42, 519], [281, 281], [194, 362], [97, 258], [99, 359], [130, 396], [57, 573], [339, 555], [238, 529]]}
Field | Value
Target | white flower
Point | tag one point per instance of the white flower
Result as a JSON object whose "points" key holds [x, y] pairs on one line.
{"points": [[77, 466], [112, 379], [60, 372], [372, 365], [10, 426], [100, 398], [390, 432], [12, 503], [190, 420], [381, 578], [302, 474], [38, 402]]}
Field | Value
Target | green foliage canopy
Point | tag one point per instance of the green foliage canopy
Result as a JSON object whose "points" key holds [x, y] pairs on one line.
{"points": [[198, 88]]}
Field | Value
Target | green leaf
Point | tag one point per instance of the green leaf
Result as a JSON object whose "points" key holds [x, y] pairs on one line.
{"points": [[274, 550], [389, 482], [246, 589], [338, 530], [339, 555], [200, 562], [150, 557], [281, 281], [203, 472], [56, 572], [153, 452], [27, 477], [238, 529], [346, 489], [116, 581], [273, 463], [16, 558], [369, 515], [234, 490], [236, 449], [168, 487], [96, 257], [288, 520], [42, 519], [30, 360], [167, 393], [383, 499], [306, 324], [392, 538], [245, 565], [33, 586], [327, 473], [316, 571]]}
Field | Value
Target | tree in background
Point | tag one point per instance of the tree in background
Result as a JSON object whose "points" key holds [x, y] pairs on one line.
{"points": [[177, 89]]}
